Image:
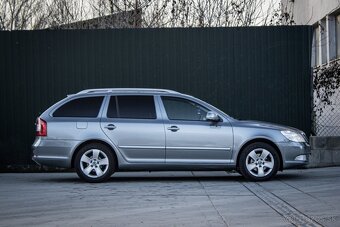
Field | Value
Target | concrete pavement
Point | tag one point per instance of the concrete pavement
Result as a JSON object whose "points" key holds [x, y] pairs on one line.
{"points": [[307, 197]]}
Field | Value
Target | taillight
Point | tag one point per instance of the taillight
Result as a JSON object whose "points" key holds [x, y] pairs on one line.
{"points": [[41, 129]]}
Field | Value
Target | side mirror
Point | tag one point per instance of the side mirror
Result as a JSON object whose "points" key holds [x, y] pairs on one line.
{"points": [[212, 116]]}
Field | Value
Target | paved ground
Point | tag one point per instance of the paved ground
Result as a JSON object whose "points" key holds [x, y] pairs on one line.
{"points": [[308, 197]]}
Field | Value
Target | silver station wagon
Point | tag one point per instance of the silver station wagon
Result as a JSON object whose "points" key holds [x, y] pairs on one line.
{"points": [[102, 131]]}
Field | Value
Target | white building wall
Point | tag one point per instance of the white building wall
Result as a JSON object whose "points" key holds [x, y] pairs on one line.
{"points": [[309, 12], [324, 16]]}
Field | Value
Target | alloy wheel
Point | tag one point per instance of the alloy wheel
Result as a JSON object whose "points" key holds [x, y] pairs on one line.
{"points": [[260, 162], [94, 163]]}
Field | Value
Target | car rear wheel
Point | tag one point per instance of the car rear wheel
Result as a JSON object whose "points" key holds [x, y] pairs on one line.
{"points": [[94, 163], [259, 161]]}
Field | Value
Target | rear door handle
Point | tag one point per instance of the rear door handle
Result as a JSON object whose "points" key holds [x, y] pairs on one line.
{"points": [[110, 126], [173, 128]]}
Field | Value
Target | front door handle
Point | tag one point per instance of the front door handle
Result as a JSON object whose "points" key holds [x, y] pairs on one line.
{"points": [[173, 128], [110, 126]]}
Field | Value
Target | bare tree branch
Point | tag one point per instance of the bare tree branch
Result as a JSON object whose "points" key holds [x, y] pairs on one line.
{"points": [[38, 14]]}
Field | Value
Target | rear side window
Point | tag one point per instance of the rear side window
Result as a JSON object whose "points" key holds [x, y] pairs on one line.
{"points": [[134, 107], [81, 107]]}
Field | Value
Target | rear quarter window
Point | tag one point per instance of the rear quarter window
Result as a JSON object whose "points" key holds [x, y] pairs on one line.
{"points": [[80, 107]]}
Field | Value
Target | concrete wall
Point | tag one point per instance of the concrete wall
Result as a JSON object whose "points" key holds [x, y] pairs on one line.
{"points": [[325, 151], [308, 12]]}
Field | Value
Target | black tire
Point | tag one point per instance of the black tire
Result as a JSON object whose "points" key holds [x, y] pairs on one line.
{"points": [[255, 174], [106, 169]]}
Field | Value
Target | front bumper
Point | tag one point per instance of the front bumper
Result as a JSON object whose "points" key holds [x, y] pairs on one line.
{"points": [[55, 153], [294, 154]]}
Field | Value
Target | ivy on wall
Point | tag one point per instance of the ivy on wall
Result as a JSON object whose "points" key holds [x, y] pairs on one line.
{"points": [[326, 80]]}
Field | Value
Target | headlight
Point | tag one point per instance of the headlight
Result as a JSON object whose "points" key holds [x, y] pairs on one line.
{"points": [[293, 136]]}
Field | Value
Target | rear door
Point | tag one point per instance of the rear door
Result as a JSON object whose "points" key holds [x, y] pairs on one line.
{"points": [[134, 125]]}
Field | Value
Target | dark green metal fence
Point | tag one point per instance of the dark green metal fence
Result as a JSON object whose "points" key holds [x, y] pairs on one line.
{"points": [[260, 73]]}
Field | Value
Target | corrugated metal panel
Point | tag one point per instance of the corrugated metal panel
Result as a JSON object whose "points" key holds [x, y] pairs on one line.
{"points": [[260, 73]]}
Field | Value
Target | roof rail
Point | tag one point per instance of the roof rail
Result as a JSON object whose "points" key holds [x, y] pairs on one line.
{"points": [[137, 90]]}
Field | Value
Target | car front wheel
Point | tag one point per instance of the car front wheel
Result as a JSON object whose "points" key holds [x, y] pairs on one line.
{"points": [[94, 163], [259, 161]]}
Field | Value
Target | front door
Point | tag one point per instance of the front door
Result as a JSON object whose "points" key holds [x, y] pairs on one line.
{"points": [[192, 139]]}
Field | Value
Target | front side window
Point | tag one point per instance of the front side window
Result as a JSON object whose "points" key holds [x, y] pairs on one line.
{"points": [[80, 107], [133, 107], [183, 109]]}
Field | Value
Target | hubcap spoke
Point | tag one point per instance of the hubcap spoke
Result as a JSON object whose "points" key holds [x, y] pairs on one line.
{"points": [[260, 171], [88, 170], [269, 165], [251, 166], [85, 159], [253, 155], [99, 172], [103, 161], [264, 154], [95, 153]]}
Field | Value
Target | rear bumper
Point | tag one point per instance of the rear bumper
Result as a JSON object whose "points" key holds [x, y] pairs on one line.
{"points": [[56, 153], [294, 154], [51, 161]]}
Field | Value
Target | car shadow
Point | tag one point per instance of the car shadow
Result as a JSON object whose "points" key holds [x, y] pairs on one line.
{"points": [[174, 178], [234, 177]]}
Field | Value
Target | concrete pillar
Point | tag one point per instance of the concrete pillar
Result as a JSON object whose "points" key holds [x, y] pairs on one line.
{"points": [[330, 36], [314, 46], [319, 44], [323, 41]]}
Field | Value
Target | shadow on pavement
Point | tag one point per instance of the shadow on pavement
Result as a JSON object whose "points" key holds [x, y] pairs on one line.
{"points": [[157, 178], [174, 178]]}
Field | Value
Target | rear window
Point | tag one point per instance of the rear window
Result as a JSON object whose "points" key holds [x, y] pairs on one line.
{"points": [[81, 107], [135, 107]]}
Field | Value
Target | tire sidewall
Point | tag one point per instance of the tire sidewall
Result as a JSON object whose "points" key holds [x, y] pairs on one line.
{"points": [[111, 167], [243, 157]]}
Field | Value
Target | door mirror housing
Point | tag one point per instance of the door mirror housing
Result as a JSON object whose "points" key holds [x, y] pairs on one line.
{"points": [[212, 116]]}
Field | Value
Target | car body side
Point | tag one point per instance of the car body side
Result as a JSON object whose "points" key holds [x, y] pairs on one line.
{"points": [[67, 135]]}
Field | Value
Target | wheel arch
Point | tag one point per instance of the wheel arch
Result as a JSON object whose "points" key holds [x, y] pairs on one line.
{"points": [[84, 143], [263, 140]]}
